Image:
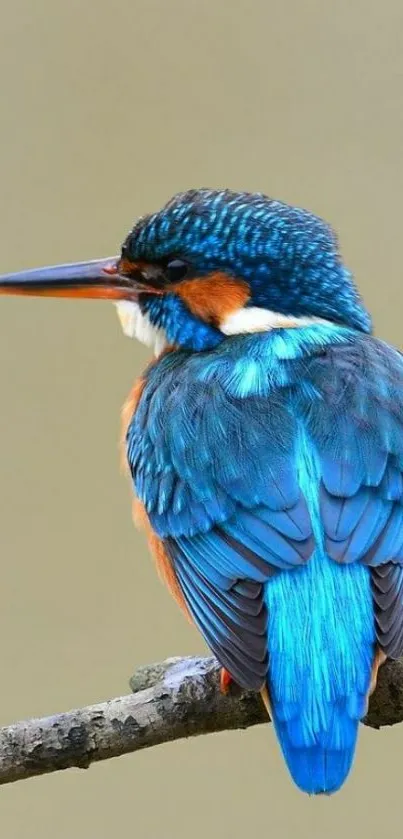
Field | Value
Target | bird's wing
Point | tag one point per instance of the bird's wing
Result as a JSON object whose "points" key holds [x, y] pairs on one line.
{"points": [[361, 493], [213, 449]]}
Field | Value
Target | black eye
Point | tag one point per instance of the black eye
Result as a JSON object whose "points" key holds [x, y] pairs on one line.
{"points": [[176, 270]]}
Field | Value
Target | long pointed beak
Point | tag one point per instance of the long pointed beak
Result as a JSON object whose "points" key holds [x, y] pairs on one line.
{"points": [[97, 278]]}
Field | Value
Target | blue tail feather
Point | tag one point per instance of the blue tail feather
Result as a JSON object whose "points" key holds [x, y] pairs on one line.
{"points": [[321, 646]]}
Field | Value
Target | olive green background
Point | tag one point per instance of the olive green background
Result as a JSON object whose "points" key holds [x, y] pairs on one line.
{"points": [[106, 109]]}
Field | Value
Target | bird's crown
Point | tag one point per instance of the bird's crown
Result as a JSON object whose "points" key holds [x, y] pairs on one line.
{"points": [[210, 264], [277, 257]]}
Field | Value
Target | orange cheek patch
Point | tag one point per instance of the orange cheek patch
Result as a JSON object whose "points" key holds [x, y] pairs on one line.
{"points": [[162, 560], [214, 297]]}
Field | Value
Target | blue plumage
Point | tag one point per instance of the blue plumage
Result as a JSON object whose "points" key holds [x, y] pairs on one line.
{"points": [[288, 255], [271, 466], [321, 636], [319, 673], [296, 492]]}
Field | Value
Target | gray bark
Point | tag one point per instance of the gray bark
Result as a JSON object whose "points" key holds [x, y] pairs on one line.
{"points": [[178, 698]]}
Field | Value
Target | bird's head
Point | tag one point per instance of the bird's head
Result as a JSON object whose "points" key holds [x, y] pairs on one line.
{"points": [[211, 264]]}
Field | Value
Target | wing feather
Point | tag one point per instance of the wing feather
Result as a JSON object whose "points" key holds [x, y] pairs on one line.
{"points": [[219, 471]]}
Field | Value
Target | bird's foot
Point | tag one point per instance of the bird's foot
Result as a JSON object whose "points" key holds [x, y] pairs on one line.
{"points": [[225, 680], [379, 659]]}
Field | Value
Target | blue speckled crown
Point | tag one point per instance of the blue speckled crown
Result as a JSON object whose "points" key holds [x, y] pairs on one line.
{"points": [[289, 256]]}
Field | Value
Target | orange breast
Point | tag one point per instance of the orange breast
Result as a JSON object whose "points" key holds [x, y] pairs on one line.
{"points": [[129, 409], [164, 566], [165, 569]]}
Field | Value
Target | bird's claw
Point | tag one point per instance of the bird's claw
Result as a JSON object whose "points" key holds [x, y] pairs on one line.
{"points": [[225, 680]]}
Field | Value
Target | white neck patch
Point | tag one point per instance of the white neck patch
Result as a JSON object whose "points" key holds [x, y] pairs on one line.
{"points": [[248, 319], [135, 324], [254, 319]]}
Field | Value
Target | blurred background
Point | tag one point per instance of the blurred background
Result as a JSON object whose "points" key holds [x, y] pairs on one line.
{"points": [[106, 110]]}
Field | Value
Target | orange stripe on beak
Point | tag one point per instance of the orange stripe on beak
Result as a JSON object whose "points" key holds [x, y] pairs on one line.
{"points": [[100, 279]]}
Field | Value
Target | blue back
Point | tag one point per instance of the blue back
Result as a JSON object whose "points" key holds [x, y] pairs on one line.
{"points": [[271, 467]]}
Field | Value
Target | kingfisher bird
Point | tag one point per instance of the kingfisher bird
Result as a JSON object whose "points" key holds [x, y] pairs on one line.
{"points": [[265, 447]]}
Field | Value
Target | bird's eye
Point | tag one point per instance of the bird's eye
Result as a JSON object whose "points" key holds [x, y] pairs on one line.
{"points": [[176, 269]]}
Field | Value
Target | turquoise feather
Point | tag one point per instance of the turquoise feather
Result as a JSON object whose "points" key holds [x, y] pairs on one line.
{"points": [[285, 454], [271, 467]]}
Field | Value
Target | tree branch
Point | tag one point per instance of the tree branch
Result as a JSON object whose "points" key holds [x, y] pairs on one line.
{"points": [[178, 698]]}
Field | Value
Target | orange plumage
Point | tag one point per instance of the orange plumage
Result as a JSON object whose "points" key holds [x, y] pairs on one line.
{"points": [[214, 296], [140, 517]]}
